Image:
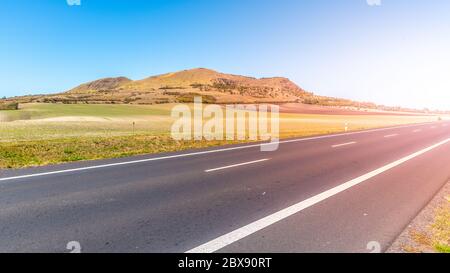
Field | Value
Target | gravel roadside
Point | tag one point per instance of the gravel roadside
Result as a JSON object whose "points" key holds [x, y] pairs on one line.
{"points": [[429, 232]]}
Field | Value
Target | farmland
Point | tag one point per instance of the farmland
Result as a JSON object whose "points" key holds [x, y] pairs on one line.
{"points": [[40, 134]]}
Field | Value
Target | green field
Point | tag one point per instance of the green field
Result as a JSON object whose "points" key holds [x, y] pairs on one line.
{"points": [[41, 134]]}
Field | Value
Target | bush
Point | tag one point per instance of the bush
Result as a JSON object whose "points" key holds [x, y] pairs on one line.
{"points": [[9, 106], [189, 98]]}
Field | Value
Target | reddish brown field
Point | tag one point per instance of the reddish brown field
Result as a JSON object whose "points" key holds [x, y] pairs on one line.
{"points": [[300, 108]]}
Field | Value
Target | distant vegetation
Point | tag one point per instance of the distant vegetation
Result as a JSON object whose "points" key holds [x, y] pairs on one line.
{"points": [[329, 101], [9, 106], [189, 98], [171, 87]]}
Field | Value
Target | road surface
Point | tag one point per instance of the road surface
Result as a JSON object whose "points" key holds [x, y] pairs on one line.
{"points": [[336, 193]]}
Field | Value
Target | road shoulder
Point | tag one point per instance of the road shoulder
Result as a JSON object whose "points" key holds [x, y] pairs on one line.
{"points": [[429, 232]]}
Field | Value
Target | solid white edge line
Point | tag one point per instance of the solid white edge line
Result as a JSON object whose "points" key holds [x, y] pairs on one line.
{"points": [[393, 135], [240, 233], [236, 165], [206, 152], [343, 144]]}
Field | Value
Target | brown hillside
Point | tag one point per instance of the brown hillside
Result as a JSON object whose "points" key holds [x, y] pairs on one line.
{"points": [[101, 85], [182, 86]]}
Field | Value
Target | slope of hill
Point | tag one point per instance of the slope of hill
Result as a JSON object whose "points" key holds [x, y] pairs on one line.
{"points": [[100, 85]]}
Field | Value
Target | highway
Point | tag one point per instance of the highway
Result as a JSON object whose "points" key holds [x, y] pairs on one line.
{"points": [[335, 193]]}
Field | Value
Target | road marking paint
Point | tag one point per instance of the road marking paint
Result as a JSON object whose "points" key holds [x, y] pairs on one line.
{"points": [[417, 130], [240, 233], [343, 144], [433, 127], [203, 153], [393, 135], [236, 165]]}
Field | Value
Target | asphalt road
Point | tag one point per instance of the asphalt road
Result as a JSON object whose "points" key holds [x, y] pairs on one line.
{"points": [[328, 194]]}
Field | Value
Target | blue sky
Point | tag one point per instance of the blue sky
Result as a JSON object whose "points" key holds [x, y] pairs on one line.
{"points": [[396, 53]]}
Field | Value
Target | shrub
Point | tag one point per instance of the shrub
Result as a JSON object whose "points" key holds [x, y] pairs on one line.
{"points": [[189, 98], [9, 106]]}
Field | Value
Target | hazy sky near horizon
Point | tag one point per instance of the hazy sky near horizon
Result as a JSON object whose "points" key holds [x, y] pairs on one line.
{"points": [[397, 53]]}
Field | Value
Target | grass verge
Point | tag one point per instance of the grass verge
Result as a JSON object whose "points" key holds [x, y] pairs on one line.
{"points": [[45, 152], [441, 228], [429, 232]]}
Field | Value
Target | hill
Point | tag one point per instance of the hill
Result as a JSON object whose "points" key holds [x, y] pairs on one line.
{"points": [[180, 86], [183, 86]]}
